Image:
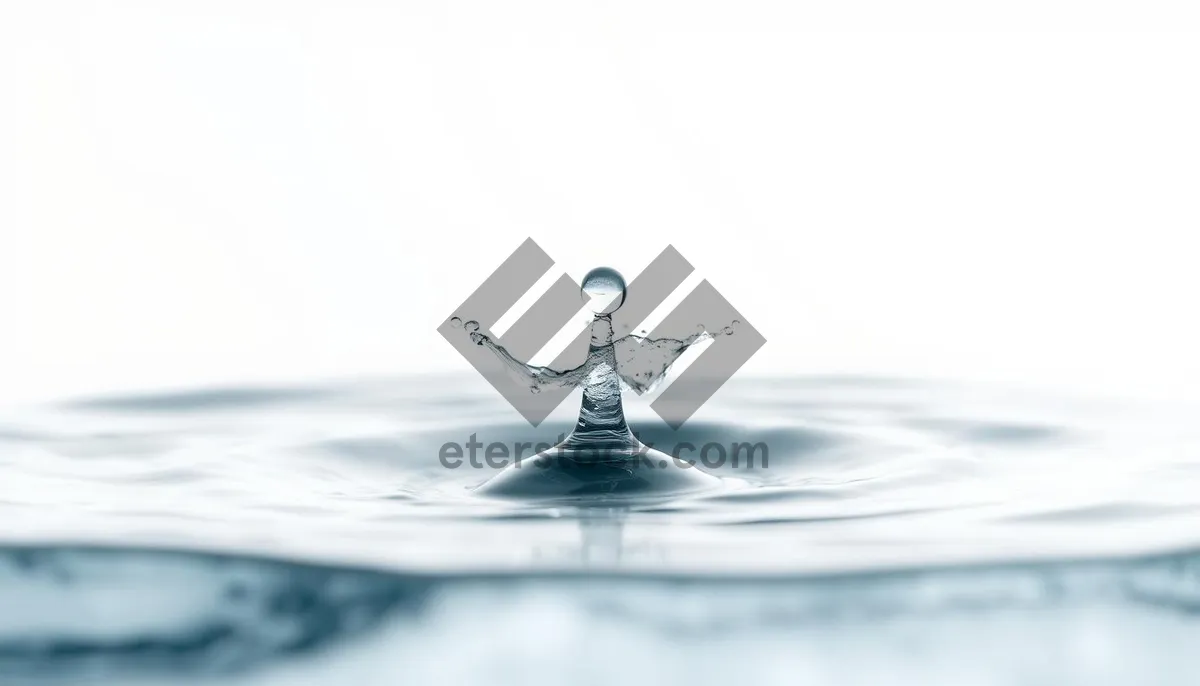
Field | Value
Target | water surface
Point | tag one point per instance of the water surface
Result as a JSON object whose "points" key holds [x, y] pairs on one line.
{"points": [[901, 532]]}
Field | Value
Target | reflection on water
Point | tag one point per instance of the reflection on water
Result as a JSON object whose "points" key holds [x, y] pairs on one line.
{"points": [[901, 532], [141, 616]]}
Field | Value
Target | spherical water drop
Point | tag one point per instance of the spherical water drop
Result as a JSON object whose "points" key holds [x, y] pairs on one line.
{"points": [[471, 326], [455, 322], [727, 330], [606, 288]]}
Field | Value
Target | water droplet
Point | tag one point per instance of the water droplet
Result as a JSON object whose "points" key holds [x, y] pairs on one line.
{"points": [[471, 325], [606, 288], [736, 322], [727, 330], [455, 322]]}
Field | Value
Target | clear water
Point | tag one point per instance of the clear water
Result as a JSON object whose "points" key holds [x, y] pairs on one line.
{"points": [[902, 532]]}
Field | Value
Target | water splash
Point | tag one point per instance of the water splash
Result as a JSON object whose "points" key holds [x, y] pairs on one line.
{"points": [[641, 362], [601, 456]]}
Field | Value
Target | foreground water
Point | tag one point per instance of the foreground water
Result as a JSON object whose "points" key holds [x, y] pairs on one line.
{"points": [[900, 532]]}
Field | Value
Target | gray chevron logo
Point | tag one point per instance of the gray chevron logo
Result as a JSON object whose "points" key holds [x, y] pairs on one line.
{"points": [[559, 305]]}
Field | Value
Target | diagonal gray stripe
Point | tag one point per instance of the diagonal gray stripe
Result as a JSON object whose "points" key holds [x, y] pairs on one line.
{"points": [[545, 318], [716, 364], [656, 282], [506, 285], [576, 351], [533, 407]]}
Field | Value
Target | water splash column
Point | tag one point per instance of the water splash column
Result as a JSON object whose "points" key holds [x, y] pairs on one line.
{"points": [[601, 415], [601, 409], [601, 459]]}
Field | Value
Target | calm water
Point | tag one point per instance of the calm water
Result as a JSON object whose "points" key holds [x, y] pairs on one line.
{"points": [[901, 532]]}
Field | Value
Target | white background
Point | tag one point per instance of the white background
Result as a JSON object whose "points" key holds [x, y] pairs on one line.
{"points": [[241, 192]]}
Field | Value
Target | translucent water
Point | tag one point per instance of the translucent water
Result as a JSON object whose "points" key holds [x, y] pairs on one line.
{"points": [[640, 362], [900, 532], [605, 288], [601, 460]]}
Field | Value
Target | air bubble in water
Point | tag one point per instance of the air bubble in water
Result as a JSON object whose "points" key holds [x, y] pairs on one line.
{"points": [[606, 288]]}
